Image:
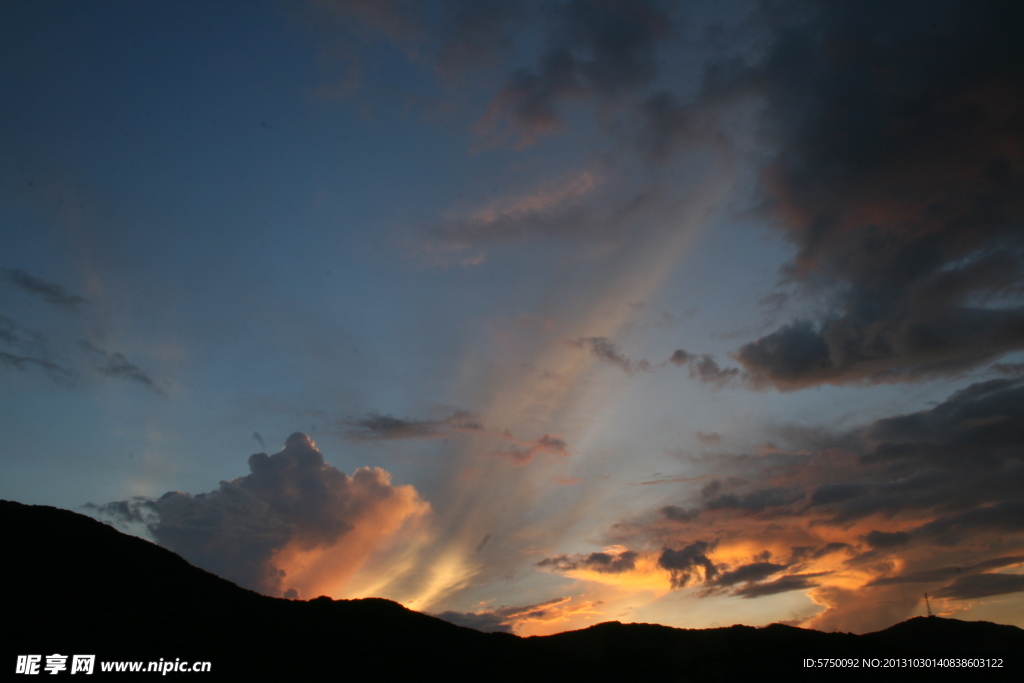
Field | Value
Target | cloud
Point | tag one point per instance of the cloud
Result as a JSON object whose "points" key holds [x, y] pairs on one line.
{"points": [[1009, 368], [680, 357], [507, 619], [668, 125], [792, 582], [883, 539], [377, 427], [525, 451], [704, 367], [116, 365], [31, 348], [896, 170], [607, 352], [488, 622], [947, 573], [789, 357], [553, 210], [687, 563], [954, 462], [930, 496], [138, 510], [294, 523], [598, 51], [755, 501], [565, 209], [830, 548], [601, 562], [678, 514], [982, 586], [755, 571], [1005, 516], [49, 292], [22, 362], [709, 437], [452, 36]]}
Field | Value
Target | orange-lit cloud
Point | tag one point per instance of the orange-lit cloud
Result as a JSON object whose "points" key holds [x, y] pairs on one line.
{"points": [[293, 526], [549, 616]]}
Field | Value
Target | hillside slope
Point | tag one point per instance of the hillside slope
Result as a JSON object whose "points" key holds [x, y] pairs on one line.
{"points": [[73, 585]]}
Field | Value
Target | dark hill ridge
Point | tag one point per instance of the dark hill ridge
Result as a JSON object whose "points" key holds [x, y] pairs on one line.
{"points": [[73, 585]]}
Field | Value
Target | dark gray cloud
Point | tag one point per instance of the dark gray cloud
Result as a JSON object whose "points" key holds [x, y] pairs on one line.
{"points": [[8, 330], [453, 36], [687, 563], [292, 496], [838, 492], [704, 367], [474, 34], [114, 364], [483, 543], [504, 619], [1005, 516], [49, 292], [377, 427], [788, 356], [747, 573], [714, 498], [596, 51], [1015, 369], [18, 362], [607, 352], [31, 348], [668, 125], [975, 414], [982, 586], [137, 510], [914, 493], [679, 514], [793, 582], [959, 461], [881, 540], [680, 357], [754, 501], [918, 490], [898, 174], [605, 563], [707, 370], [830, 548], [947, 573]]}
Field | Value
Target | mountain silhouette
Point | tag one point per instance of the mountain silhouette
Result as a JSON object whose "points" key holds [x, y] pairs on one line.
{"points": [[73, 585]]}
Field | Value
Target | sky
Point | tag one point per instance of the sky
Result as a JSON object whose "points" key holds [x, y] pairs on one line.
{"points": [[528, 314]]}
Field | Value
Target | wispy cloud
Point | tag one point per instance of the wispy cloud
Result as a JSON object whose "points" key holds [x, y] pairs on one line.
{"points": [[607, 352], [507, 619], [114, 364], [49, 292], [377, 427]]}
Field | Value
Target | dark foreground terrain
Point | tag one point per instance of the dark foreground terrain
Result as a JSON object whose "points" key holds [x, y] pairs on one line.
{"points": [[72, 585]]}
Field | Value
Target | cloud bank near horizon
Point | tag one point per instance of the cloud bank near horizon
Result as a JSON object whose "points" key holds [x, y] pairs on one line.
{"points": [[294, 526]]}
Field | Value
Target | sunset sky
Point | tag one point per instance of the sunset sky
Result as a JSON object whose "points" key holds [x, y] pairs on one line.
{"points": [[530, 314]]}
